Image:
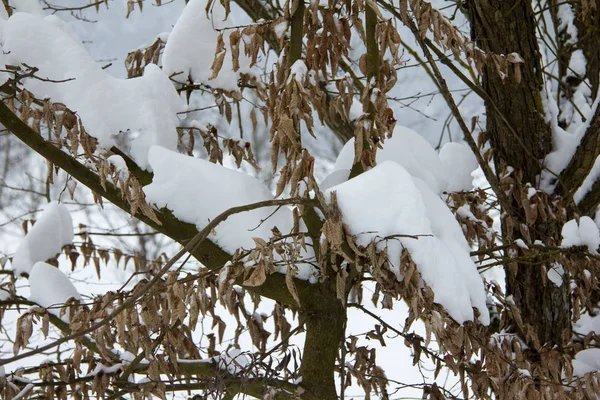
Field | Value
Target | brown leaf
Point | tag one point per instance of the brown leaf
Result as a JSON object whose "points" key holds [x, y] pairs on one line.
{"points": [[289, 282], [257, 277], [220, 52], [234, 45]]}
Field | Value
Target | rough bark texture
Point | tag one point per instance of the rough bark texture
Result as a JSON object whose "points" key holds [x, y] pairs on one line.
{"points": [[588, 26], [521, 139], [504, 27]]}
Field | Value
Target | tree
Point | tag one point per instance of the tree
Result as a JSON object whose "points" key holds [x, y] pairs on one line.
{"points": [[395, 217]]}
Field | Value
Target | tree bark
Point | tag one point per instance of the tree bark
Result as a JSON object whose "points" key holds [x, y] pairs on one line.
{"points": [[587, 21], [324, 317], [520, 139]]}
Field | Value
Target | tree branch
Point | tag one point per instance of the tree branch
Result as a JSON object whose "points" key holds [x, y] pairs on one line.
{"points": [[190, 246], [197, 369], [342, 129], [209, 254], [441, 83], [59, 324], [373, 73], [296, 28]]}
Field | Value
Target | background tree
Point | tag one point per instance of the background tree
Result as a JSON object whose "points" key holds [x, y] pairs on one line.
{"points": [[501, 296]]}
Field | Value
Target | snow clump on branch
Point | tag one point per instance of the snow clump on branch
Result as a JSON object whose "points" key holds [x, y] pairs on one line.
{"points": [[53, 230], [140, 112]]}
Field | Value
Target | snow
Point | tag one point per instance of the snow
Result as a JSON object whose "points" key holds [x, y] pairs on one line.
{"points": [[197, 191], [555, 274], [566, 19], [565, 141], [387, 201], [120, 165], [232, 361], [459, 162], [335, 178], [587, 323], [128, 357], [589, 181], [53, 230], [584, 233], [24, 393], [3, 75], [516, 58], [103, 369], [563, 144], [194, 190], [585, 361], [143, 109], [416, 155], [27, 6], [521, 244], [191, 46], [581, 98], [280, 29], [50, 287], [298, 71], [578, 62], [524, 372]]}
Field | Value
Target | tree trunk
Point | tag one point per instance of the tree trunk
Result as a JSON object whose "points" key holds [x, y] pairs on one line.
{"points": [[324, 318], [587, 20], [520, 139]]}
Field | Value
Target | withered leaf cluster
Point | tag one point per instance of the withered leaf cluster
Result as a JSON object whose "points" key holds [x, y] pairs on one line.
{"points": [[226, 324]]}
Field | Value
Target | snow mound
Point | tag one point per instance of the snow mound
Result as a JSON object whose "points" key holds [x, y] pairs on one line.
{"points": [[50, 288], [191, 46], [584, 233], [585, 361], [234, 361], [335, 178], [145, 107], [387, 201], [27, 6], [587, 323], [459, 162], [409, 149], [53, 230], [197, 191]]}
